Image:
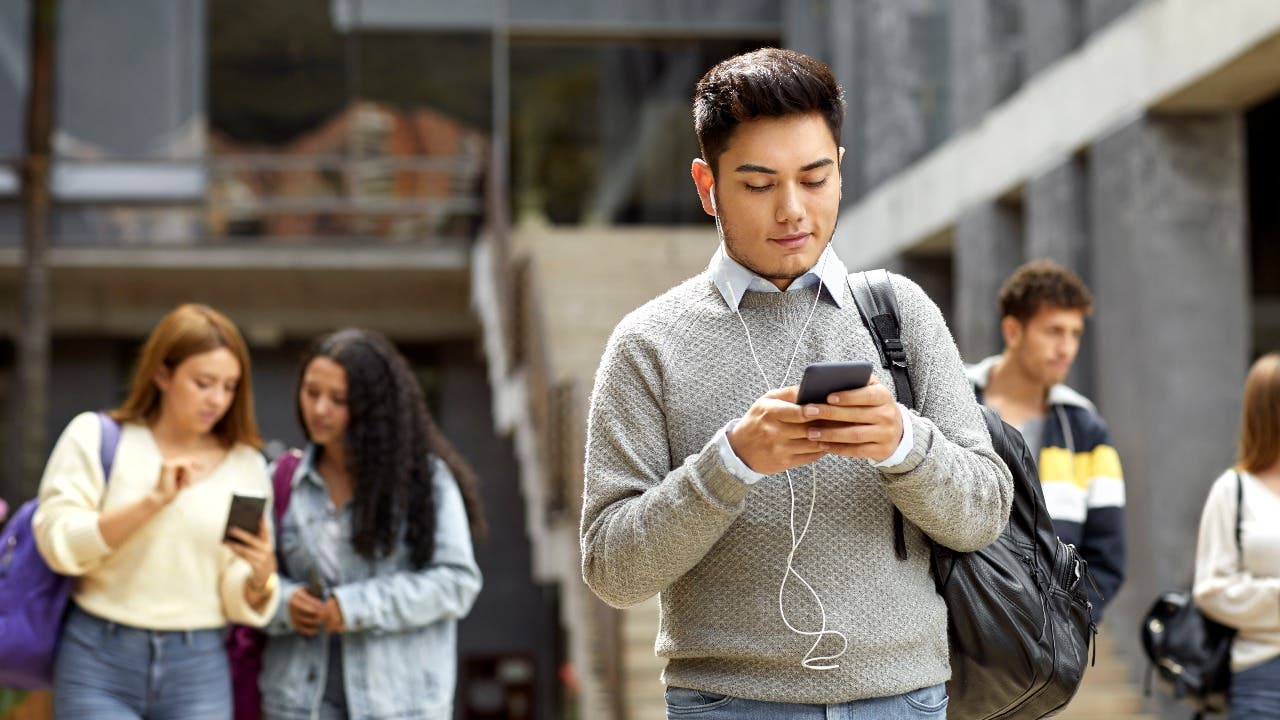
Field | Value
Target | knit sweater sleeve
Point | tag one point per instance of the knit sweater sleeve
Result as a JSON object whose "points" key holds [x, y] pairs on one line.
{"points": [[644, 524], [71, 490], [952, 484], [1225, 589]]}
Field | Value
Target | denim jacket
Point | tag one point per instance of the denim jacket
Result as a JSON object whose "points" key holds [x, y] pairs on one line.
{"points": [[399, 649]]}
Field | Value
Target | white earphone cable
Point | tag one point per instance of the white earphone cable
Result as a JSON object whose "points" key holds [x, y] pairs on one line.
{"points": [[810, 661]]}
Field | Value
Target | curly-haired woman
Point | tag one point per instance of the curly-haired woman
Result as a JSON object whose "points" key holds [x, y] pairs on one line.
{"points": [[377, 562], [1238, 578]]}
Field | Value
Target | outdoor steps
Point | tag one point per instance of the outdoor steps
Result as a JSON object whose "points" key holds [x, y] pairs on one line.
{"points": [[642, 667], [1108, 692]]}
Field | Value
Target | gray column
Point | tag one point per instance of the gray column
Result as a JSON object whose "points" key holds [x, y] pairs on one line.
{"points": [[1057, 224], [988, 247], [933, 273], [986, 57], [1050, 30], [1169, 256], [900, 67], [828, 30], [1099, 13]]}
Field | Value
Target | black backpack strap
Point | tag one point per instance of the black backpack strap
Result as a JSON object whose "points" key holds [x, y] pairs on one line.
{"points": [[1239, 512], [878, 306]]}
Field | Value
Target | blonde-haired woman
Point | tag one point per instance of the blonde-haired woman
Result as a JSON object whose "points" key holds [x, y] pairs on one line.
{"points": [[157, 583], [1241, 589]]}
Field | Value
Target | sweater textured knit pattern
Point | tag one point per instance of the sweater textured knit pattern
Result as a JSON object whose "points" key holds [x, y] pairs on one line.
{"points": [[662, 515]]}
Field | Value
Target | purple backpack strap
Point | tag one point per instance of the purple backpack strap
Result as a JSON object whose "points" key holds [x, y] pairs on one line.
{"points": [[110, 441], [282, 481]]}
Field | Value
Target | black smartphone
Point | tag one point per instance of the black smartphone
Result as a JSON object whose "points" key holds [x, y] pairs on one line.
{"points": [[315, 585], [245, 513], [822, 379]]}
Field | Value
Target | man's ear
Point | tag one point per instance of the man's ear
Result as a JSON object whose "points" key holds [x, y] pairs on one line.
{"points": [[1011, 328], [703, 180]]}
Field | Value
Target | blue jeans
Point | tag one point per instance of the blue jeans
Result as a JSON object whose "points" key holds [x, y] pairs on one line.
{"points": [[929, 702], [1255, 692], [108, 671]]}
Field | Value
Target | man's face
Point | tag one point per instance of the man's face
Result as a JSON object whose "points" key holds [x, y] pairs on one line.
{"points": [[1045, 345], [777, 195]]}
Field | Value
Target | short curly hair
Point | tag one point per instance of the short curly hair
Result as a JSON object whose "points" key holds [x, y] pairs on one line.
{"points": [[1041, 283]]}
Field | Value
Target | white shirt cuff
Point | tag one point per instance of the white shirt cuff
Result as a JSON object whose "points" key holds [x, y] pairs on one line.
{"points": [[904, 445], [731, 461]]}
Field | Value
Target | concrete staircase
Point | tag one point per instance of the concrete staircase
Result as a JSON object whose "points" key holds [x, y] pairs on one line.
{"points": [[1108, 693], [643, 676]]}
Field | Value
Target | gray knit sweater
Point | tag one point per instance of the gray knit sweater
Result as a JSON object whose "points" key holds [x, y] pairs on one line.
{"points": [[662, 515]]}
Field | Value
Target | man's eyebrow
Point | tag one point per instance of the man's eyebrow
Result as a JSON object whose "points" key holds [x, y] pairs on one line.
{"points": [[753, 168]]}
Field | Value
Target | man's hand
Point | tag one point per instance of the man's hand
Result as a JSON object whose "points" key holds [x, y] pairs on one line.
{"points": [[856, 423], [773, 435]]}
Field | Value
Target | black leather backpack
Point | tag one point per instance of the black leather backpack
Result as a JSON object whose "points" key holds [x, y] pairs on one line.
{"points": [[1018, 615]]}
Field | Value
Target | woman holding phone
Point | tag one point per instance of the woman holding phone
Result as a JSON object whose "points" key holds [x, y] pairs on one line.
{"points": [[375, 544], [1238, 578], [156, 580]]}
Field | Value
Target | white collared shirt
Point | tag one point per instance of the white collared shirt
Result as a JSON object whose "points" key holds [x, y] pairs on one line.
{"points": [[733, 281]]}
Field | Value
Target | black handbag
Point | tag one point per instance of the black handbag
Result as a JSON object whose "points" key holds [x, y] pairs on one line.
{"points": [[1189, 652]]}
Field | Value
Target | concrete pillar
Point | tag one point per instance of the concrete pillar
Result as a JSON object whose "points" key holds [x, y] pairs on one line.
{"points": [[1169, 265], [1057, 225], [933, 273], [1051, 29], [986, 57], [900, 66], [828, 30], [988, 247], [1099, 13]]}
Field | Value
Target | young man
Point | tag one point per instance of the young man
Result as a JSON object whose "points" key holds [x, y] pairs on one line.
{"points": [[766, 527], [1042, 310]]}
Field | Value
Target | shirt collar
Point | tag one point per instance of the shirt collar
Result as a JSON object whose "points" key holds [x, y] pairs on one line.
{"points": [[733, 280]]}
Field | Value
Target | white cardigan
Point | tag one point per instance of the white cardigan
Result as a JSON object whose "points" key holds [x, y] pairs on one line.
{"points": [[1241, 594], [173, 573]]}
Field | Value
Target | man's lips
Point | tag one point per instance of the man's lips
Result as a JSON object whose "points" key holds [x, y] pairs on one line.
{"points": [[793, 240]]}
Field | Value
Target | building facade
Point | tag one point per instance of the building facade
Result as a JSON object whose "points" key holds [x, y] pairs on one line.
{"points": [[494, 184]]}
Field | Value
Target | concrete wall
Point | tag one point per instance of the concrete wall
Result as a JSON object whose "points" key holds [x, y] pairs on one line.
{"points": [[1168, 243], [1057, 227]]}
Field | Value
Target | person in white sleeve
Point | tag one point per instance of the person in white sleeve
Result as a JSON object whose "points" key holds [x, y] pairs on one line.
{"points": [[156, 581], [1240, 588]]}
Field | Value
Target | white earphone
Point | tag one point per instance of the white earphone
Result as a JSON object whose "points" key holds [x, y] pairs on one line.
{"points": [[810, 661]]}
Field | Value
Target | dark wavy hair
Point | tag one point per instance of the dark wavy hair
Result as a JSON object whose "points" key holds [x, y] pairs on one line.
{"points": [[391, 443], [769, 82]]}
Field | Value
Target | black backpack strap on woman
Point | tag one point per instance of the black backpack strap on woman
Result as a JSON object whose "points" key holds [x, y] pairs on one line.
{"points": [[1190, 653]]}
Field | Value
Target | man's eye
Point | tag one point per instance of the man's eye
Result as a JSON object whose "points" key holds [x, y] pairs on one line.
{"points": [[757, 188], [816, 183]]}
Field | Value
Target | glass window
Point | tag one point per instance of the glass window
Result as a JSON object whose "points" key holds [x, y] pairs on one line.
{"points": [[321, 128], [602, 132], [130, 80], [14, 19]]}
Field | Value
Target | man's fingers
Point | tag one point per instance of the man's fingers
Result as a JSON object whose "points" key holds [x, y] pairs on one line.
{"points": [[788, 394], [872, 394]]}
